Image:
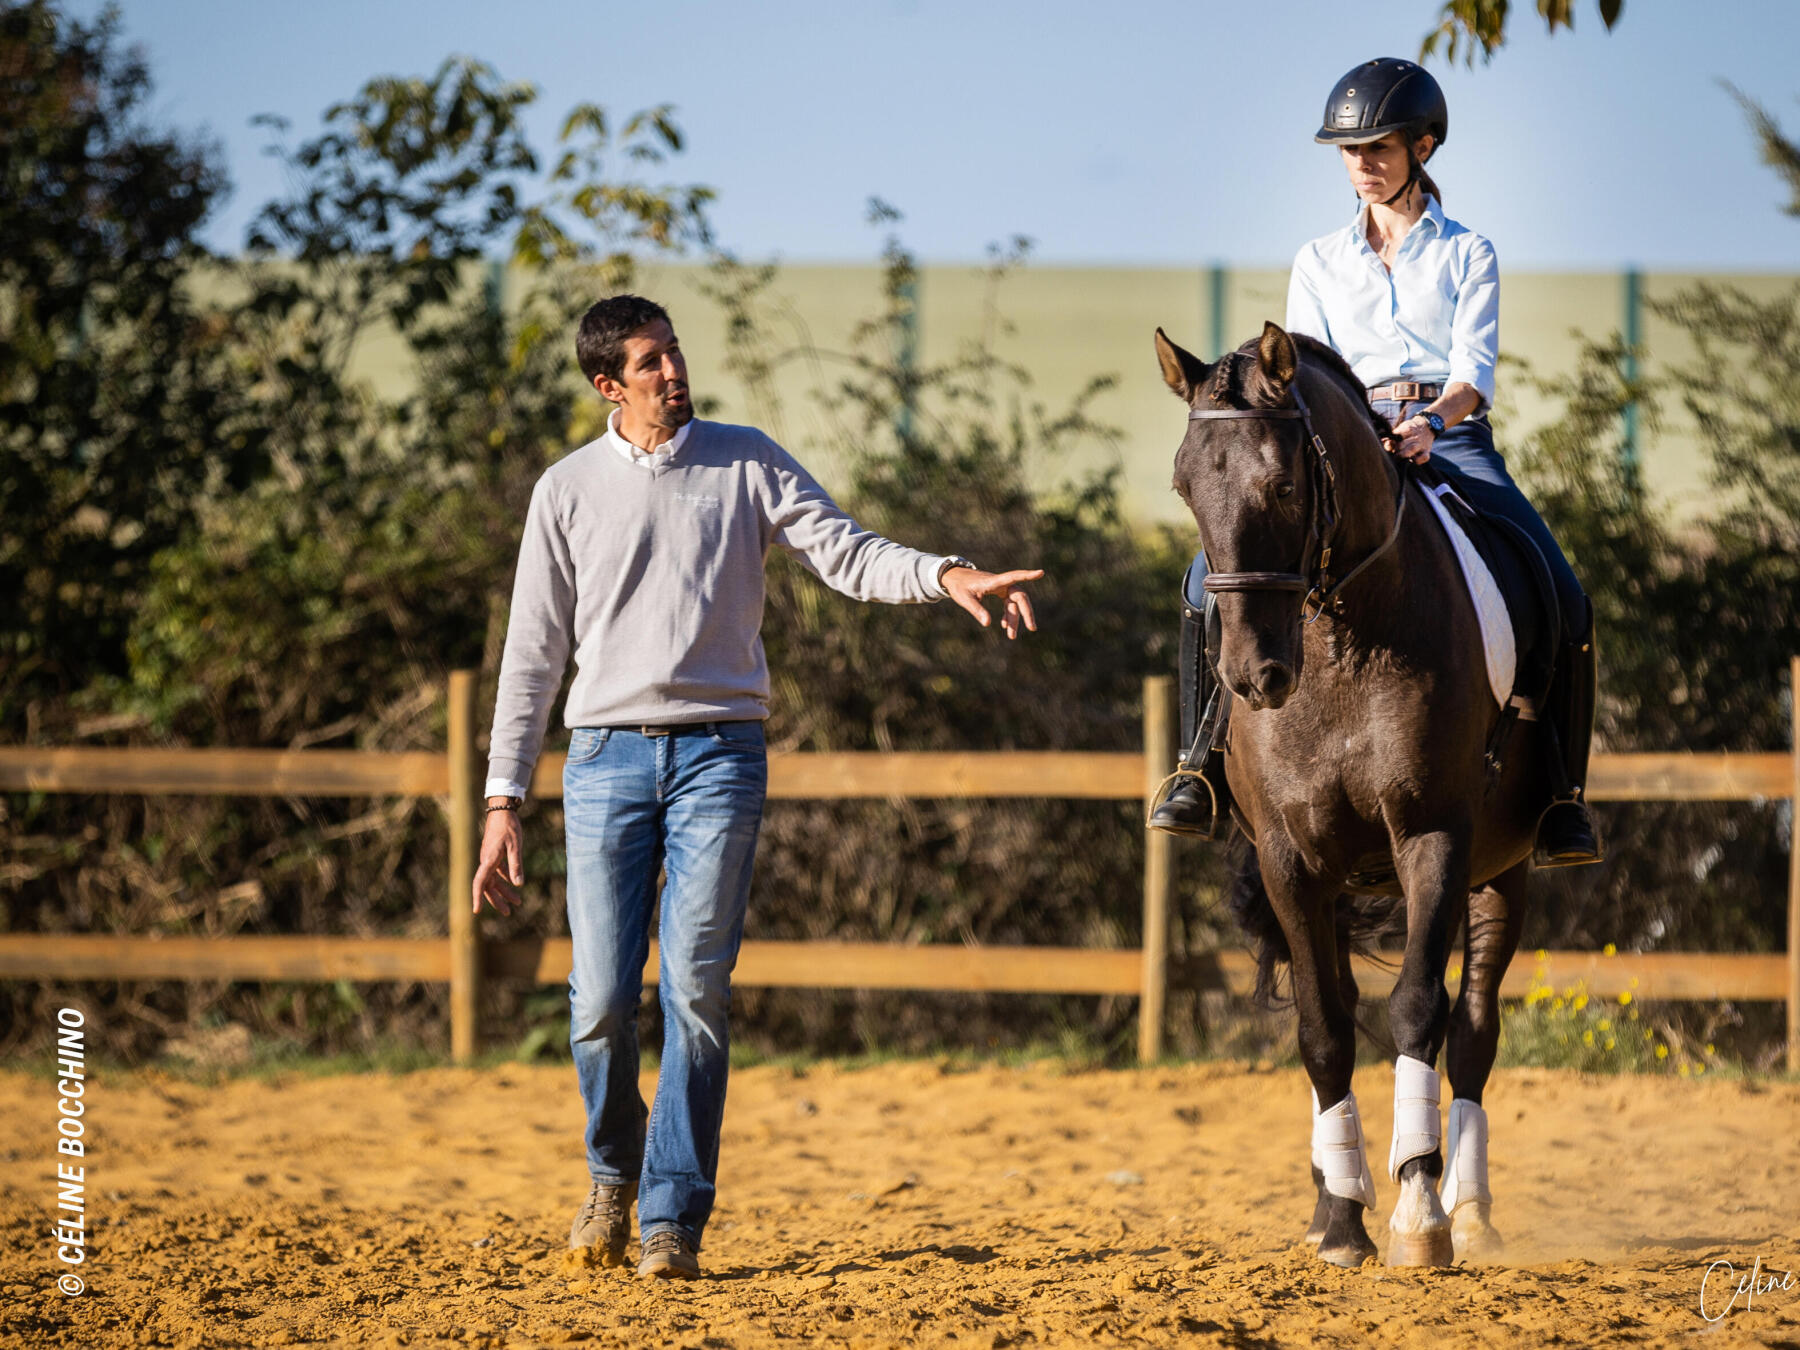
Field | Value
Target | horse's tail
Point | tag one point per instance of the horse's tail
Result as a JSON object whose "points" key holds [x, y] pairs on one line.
{"points": [[1362, 920]]}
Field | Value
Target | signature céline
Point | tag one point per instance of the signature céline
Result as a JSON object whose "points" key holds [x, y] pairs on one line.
{"points": [[1748, 1286]]}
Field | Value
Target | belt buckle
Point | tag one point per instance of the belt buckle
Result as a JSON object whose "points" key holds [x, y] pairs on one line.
{"points": [[653, 731], [1406, 391]]}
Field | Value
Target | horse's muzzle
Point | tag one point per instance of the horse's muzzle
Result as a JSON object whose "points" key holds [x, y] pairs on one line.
{"points": [[1269, 685]]}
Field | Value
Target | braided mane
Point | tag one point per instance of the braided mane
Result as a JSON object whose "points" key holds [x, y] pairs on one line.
{"points": [[1230, 375]]}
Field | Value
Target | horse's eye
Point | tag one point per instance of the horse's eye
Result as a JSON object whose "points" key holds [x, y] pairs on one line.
{"points": [[1284, 490]]}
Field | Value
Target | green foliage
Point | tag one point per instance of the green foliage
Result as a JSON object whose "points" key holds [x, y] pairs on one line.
{"points": [[1778, 152], [1569, 1028], [267, 552], [1467, 28], [112, 416]]}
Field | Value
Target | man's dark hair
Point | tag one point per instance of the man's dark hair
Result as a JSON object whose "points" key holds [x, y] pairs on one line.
{"points": [[600, 343]]}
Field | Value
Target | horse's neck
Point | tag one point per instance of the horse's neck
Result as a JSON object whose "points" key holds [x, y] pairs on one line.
{"points": [[1384, 604]]}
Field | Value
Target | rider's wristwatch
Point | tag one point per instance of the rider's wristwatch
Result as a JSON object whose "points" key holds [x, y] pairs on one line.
{"points": [[1433, 421], [958, 561]]}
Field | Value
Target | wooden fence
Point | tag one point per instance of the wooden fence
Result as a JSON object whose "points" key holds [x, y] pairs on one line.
{"points": [[1148, 972]]}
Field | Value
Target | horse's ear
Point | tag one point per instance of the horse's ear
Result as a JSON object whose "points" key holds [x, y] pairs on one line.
{"points": [[1276, 363], [1182, 371]]}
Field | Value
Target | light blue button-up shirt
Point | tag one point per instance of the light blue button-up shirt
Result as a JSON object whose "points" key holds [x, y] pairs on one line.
{"points": [[1435, 318]]}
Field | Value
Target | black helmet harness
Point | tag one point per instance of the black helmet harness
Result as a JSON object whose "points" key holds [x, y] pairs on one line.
{"points": [[1382, 96]]}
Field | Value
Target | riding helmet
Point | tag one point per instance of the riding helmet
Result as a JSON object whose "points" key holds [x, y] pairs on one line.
{"points": [[1380, 96]]}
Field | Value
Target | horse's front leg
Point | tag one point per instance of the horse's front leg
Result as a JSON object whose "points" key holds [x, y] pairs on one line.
{"points": [[1305, 907], [1496, 918], [1434, 871]]}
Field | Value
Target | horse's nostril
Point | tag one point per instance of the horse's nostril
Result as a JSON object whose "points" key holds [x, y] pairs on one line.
{"points": [[1275, 680]]}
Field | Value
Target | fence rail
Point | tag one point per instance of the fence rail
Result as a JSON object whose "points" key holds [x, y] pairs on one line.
{"points": [[1147, 972]]}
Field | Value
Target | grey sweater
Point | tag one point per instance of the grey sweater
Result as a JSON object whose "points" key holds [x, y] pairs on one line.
{"points": [[653, 578]]}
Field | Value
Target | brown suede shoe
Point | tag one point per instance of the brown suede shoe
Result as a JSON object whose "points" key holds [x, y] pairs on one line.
{"points": [[604, 1221], [668, 1256]]}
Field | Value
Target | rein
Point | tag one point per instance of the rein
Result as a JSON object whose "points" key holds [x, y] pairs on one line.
{"points": [[1314, 575]]}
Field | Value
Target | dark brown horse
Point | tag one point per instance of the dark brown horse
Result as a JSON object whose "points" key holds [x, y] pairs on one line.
{"points": [[1363, 713]]}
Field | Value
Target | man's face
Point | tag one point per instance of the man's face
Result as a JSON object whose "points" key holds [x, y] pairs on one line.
{"points": [[653, 386]]}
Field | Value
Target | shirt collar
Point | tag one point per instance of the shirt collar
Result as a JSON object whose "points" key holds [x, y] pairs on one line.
{"points": [[634, 454], [1433, 217]]}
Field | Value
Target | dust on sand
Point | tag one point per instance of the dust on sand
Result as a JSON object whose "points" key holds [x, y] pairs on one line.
{"points": [[902, 1205]]}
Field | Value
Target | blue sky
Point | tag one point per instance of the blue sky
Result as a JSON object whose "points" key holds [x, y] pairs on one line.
{"points": [[1150, 133]]}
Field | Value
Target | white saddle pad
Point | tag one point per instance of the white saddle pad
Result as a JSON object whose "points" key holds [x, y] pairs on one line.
{"points": [[1490, 604]]}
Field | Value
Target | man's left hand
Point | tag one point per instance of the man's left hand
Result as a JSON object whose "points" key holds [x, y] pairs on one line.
{"points": [[970, 586]]}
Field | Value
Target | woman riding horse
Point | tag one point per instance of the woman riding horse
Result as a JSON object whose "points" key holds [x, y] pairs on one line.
{"points": [[1411, 299]]}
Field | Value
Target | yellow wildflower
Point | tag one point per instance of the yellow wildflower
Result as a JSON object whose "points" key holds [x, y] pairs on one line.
{"points": [[1625, 999], [1609, 950], [1662, 1052]]}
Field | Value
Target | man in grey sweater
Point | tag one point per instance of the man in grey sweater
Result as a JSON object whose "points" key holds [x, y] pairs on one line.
{"points": [[643, 558]]}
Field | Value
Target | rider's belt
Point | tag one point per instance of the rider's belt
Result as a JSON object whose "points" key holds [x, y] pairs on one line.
{"points": [[681, 728], [1404, 391]]}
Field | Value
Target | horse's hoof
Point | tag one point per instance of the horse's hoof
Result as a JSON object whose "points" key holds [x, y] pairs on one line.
{"points": [[1433, 1247], [1321, 1221], [1348, 1254], [1476, 1237]]}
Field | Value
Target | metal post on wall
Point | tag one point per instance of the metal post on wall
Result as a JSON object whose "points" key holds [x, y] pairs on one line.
{"points": [[1159, 868], [1215, 309], [465, 935], [1633, 327], [1793, 925], [493, 287], [906, 353]]}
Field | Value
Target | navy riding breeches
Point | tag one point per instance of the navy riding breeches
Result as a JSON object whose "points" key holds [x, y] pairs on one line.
{"points": [[1466, 456]]}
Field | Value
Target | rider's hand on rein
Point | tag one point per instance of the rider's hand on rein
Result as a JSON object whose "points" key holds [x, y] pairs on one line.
{"points": [[1412, 440]]}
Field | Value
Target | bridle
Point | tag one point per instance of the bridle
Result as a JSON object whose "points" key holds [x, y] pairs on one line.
{"points": [[1314, 576]]}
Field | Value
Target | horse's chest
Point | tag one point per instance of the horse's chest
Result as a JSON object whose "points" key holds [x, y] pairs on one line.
{"points": [[1324, 778]]}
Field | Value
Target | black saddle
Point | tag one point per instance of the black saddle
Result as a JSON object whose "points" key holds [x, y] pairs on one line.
{"points": [[1524, 579], [1529, 589]]}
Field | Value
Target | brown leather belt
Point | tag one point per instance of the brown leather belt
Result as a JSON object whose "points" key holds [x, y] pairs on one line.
{"points": [[683, 728], [1404, 391]]}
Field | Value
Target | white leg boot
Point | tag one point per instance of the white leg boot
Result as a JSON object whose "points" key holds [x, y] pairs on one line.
{"points": [[1338, 1151], [1465, 1191], [1419, 1229]]}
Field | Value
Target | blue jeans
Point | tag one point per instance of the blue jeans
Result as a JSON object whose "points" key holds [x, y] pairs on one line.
{"points": [[688, 805], [1466, 455]]}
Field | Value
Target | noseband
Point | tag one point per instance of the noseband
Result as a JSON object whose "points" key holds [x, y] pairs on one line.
{"points": [[1314, 576]]}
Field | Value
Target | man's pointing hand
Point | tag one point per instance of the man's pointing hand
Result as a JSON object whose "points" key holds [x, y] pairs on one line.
{"points": [[969, 587]]}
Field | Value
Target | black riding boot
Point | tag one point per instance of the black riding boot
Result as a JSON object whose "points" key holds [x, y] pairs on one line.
{"points": [[1566, 836], [1189, 808]]}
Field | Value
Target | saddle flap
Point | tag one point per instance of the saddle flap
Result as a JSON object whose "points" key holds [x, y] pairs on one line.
{"points": [[1511, 587]]}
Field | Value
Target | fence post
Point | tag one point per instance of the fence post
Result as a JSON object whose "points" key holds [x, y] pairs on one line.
{"points": [[1159, 857], [465, 936], [1793, 933]]}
